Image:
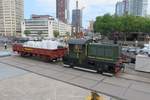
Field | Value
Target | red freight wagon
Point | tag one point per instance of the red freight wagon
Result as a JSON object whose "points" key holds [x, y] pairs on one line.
{"points": [[44, 53]]}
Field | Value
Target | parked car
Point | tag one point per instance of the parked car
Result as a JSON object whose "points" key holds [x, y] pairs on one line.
{"points": [[134, 50], [145, 50]]}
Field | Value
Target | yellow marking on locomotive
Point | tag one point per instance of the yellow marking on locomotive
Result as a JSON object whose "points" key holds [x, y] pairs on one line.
{"points": [[101, 58]]}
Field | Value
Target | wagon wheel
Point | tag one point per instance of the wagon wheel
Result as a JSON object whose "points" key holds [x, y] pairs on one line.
{"points": [[22, 54]]}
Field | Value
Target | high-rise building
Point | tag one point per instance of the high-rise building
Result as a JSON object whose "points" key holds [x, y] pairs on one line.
{"points": [[132, 7], [62, 10], [126, 6], [77, 19], [138, 7], [11, 15], [120, 8]]}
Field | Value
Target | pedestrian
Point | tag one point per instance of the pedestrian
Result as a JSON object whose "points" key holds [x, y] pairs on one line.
{"points": [[5, 45]]}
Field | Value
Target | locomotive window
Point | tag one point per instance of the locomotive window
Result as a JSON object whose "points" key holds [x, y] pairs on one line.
{"points": [[77, 48]]}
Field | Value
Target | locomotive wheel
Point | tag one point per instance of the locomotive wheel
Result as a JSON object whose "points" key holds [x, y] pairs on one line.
{"points": [[71, 65], [100, 70], [22, 54]]}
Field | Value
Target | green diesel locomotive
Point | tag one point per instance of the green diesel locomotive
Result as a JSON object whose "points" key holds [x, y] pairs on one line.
{"points": [[83, 53]]}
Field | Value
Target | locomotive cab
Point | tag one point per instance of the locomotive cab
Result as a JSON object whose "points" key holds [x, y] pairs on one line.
{"points": [[77, 52]]}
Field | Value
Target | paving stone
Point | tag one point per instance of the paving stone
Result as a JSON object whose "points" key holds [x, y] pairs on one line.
{"points": [[110, 89], [63, 77], [84, 82], [136, 95], [135, 78], [16, 64], [42, 71], [74, 71], [93, 76], [118, 81], [139, 86], [56, 67], [7, 72]]}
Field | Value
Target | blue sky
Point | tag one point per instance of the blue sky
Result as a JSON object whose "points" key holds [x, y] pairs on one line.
{"points": [[92, 9]]}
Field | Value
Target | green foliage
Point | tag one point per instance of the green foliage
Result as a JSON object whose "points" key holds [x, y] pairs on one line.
{"points": [[108, 24], [27, 32], [56, 33]]}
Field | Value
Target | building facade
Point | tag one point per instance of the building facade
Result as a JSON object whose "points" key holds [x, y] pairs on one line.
{"points": [[138, 7], [61, 27], [91, 26], [120, 8], [44, 25], [77, 20], [132, 7], [11, 15], [62, 10], [126, 6]]}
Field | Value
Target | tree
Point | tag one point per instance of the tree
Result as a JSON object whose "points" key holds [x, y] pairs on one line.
{"points": [[27, 32], [124, 25], [56, 33]]}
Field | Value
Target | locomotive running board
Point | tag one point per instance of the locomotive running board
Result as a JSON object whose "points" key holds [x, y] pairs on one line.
{"points": [[93, 71], [108, 74], [65, 65], [89, 70]]}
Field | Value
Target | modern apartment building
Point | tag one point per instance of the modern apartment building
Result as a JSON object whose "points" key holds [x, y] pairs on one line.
{"points": [[11, 15], [132, 7], [62, 10], [126, 6], [138, 7], [120, 8], [45, 25]]}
